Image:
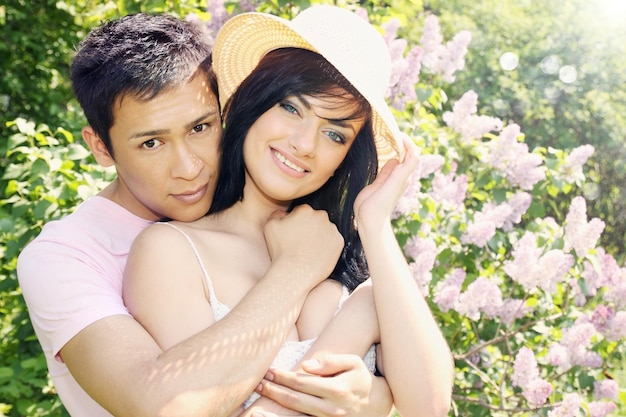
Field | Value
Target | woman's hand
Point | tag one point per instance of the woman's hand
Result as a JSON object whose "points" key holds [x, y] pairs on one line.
{"points": [[377, 201], [332, 385]]}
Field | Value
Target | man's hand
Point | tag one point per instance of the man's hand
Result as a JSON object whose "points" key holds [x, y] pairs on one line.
{"points": [[334, 385], [307, 239]]}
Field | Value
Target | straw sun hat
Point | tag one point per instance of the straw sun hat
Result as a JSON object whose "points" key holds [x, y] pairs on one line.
{"points": [[344, 39]]}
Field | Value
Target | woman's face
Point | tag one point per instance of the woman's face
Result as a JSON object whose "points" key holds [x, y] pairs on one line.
{"points": [[296, 146]]}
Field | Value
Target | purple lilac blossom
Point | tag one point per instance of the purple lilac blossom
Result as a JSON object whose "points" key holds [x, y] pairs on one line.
{"points": [[610, 277], [512, 159], [519, 204], [532, 269], [537, 391], [524, 368], [409, 202], [448, 291], [431, 41], [607, 388], [569, 406], [219, 16], [601, 317], [559, 356], [606, 321], [577, 339], [449, 189], [617, 327], [572, 169], [483, 226], [526, 376], [404, 70], [482, 295], [430, 163], [511, 309], [423, 252], [491, 217], [442, 59], [463, 120], [600, 408], [453, 59], [581, 235]]}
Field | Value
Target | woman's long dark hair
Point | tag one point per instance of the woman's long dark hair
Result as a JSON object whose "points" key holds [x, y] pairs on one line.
{"points": [[299, 72]]}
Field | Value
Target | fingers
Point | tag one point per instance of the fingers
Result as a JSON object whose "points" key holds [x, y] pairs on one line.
{"points": [[401, 169], [306, 240], [329, 365], [327, 377], [263, 414], [386, 171], [286, 382], [411, 153], [277, 215], [298, 399], [332, 385]]}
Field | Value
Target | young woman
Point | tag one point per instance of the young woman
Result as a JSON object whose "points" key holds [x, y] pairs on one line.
{"points": [[305, 125]]}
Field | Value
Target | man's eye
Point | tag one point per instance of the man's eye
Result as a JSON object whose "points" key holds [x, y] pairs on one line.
{"points": [[200, 128], [150, 144]]}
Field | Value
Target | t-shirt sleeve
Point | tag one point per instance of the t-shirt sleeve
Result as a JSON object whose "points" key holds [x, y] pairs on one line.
{"points": [[66, 289]]}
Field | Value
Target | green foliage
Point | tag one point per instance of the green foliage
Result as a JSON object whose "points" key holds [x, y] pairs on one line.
{"points": [[46, 175], [36, 56]]}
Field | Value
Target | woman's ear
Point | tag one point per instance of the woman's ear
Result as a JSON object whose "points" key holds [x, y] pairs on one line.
{"points": [[97, 147]]}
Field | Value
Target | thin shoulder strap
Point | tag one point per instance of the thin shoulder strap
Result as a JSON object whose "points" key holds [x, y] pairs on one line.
{"points": [[345, 293], [207, 279]]}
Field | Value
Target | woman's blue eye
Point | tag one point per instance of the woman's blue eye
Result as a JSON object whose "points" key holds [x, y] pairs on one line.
{"points": [[336, 137], [289, 108]]}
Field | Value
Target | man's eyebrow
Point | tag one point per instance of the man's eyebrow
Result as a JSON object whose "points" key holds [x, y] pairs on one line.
{"points": [[159, 132], [140, 135], [199, 120]]}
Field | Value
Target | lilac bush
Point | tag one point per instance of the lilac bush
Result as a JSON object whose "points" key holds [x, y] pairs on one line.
{"points": [[534, 310]]}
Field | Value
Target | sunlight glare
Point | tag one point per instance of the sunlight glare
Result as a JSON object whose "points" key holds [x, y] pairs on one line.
{"points": [[614, 11]]}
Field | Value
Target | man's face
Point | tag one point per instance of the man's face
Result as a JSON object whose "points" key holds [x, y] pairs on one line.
{"points": [[166, 152]]}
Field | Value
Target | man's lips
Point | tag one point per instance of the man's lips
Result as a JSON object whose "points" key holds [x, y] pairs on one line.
{"points": [[192, 196]]}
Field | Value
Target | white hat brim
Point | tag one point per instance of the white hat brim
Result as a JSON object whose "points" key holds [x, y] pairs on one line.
{"points": [[246, 38]]}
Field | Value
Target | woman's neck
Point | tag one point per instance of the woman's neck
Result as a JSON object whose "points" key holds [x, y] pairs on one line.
{"points": [[250, 214]]}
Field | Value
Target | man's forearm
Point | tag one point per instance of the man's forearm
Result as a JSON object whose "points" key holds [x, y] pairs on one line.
{"points": [[118, 363], [233, 355]]}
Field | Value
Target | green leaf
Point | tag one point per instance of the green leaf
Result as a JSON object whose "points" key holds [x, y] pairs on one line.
{"points": [[15, 171], [6, 373], [536, 209], [77, 152]]}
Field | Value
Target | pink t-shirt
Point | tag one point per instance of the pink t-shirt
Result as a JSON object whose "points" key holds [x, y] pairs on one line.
{"points": [[71, 276]]}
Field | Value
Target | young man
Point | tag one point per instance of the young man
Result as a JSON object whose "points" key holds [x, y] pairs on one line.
{"points": [[147, 90]]}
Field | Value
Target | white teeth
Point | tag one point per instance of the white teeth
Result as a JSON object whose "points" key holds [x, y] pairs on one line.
{"points": [[290, 164]]}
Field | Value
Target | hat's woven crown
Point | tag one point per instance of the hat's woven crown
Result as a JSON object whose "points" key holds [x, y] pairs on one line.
{"points": [[343, 38]]}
